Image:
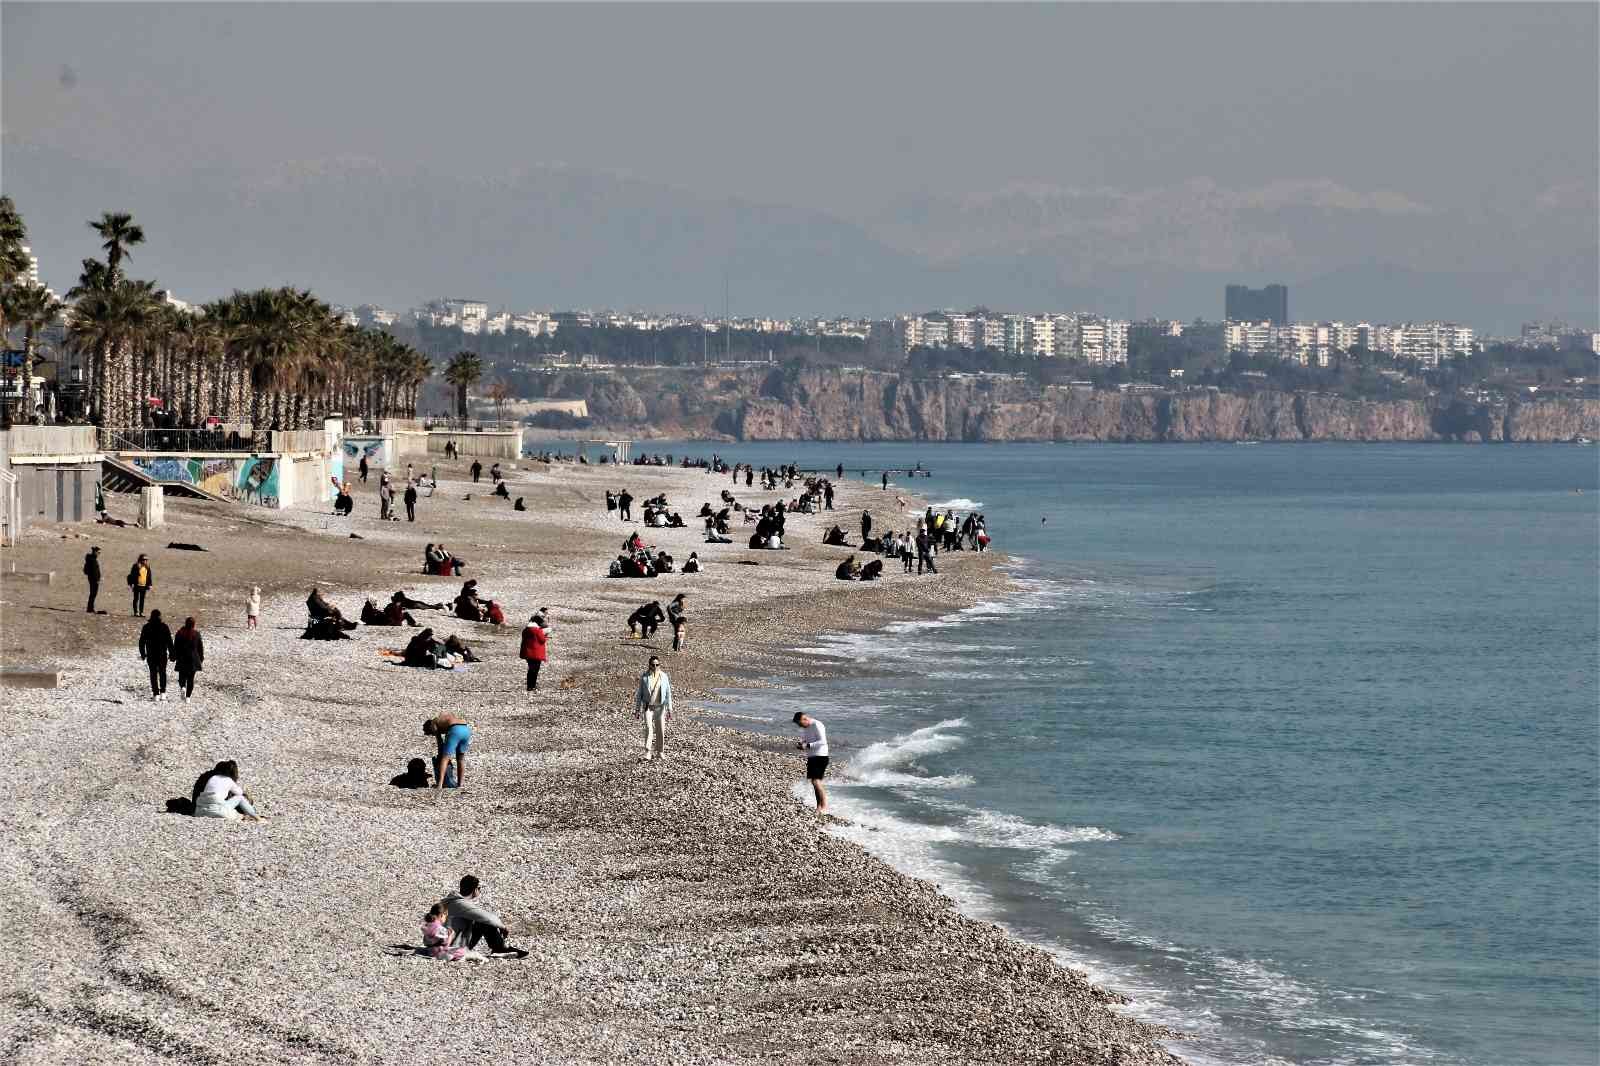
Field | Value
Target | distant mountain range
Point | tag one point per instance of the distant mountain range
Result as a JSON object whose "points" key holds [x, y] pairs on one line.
{"points": [[357, 231]]}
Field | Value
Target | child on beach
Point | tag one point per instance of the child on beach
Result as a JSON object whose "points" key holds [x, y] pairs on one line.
{"points": [[436, 938], [252, 609]]}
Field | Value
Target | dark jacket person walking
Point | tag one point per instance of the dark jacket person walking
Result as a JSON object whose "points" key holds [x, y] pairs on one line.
{"points": [[411, 501], [91, 571], [155, 648], [188, 655]]}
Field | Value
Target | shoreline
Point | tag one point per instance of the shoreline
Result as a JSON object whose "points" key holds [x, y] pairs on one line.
{"points": [[682, 911]]}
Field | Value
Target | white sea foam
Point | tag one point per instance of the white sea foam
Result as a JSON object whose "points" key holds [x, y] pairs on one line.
{"points": [[886, 763]]}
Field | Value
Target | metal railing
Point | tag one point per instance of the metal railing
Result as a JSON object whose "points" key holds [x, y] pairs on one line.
{"points": [[469, 425], [218, 439]]}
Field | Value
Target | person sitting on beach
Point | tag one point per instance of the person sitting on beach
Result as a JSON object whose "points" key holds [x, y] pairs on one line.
{"points": [[872, 544], [344, 503], [494, 614], [706, 511], [318, 608], [662, 562], [634, 543], [872, 571], [219, 795], [834, 537], [692, 565], [470, 921], [675, 520], [644, 622], [370, 615], [396, 615], [452, 565], [501, 491], [454, 645], [468, 607], [849, 570], [423, 651], [436, 936], [453, 736], [416, 775], [519, 505], [408, 604], [678, 620]]}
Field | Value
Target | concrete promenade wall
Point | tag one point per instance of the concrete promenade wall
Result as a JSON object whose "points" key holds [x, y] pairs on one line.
{"points": [[484, 445]]}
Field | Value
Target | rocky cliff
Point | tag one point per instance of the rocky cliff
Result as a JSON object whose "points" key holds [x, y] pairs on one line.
{"points": [[786, 404]]}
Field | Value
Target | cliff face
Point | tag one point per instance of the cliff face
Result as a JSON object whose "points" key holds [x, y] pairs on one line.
{"points": [[779, 404]]}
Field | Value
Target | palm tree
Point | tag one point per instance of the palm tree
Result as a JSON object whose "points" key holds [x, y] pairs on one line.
{"points": [[104, 324], [464, 370], [30, 306], [118, 232]]}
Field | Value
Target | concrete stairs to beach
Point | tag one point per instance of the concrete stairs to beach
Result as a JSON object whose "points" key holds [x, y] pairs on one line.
{"points": [[119, 476]]}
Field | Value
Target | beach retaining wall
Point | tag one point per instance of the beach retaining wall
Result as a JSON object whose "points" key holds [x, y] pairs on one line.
{"points": [[505, 444], [47, 474], [410, 442], [268, 480], [380, 451]]}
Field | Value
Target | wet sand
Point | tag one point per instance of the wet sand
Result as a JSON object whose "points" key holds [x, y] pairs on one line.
{"points": [[688, 910]]}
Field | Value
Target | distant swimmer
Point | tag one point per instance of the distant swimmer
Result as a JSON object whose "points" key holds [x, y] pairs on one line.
{"points": [[1043, 520]]}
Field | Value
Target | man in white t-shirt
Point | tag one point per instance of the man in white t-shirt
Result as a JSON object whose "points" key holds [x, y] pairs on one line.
{"points": [[814, 742]]}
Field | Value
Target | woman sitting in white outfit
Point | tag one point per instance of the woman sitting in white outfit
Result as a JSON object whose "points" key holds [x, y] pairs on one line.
{"points": [[218, 795]]}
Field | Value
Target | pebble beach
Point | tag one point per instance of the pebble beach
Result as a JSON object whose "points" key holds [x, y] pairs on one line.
{"points": [[691, 910]]}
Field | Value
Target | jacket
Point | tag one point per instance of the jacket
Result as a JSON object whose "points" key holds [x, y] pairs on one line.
{"points": [[534, 640], [149, 575], [663, 693], [189, 650], [462, 912], [91, 566], [155, 643]]}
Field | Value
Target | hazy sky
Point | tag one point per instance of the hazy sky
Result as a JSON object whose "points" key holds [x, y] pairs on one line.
{"points": [[836, 107], [1483, 109]]}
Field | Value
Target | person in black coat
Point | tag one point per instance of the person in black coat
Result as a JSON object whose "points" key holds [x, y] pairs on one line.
{"points": [[155, 648], [646, 620], [91, 570], [411, 501], [866, 525], [188, 656]]}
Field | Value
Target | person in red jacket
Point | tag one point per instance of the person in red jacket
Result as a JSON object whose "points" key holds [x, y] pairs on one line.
{"points": [[535, 641]]}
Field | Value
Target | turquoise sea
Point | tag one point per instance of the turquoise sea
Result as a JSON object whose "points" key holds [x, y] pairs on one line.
{"points": [[1296, 745]]}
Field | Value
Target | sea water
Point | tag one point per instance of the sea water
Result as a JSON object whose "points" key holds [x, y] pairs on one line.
{"points": [[1295, 745]]}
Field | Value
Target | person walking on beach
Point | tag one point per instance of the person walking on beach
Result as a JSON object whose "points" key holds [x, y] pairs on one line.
{"points": [[470, 921], [866, 525], [925, 550], [188, 656], [155, 648], [814, 742], [676, 618], [385, 497], [411, 500], [839, 471], [141, 579], [252, 608], [535, 647], [91, 572], [827, 495], [653, 703], [625, 505], [363, 468], [886, 481], [477, 470]]}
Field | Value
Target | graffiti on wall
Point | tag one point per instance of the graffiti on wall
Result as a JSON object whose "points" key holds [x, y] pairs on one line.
{"points": [[253, 480]]}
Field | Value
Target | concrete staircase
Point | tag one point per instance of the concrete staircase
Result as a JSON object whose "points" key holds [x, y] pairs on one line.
{"points": [[119, 476]]}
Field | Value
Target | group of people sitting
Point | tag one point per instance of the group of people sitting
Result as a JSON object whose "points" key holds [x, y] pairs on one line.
{"points": [[217, 793], [430, 654], [641, 561], [850, 570], [769, 528], [472, 607], [436, 559]]}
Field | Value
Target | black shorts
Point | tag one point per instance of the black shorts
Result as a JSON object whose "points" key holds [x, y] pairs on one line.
{"points": [[816, 767]]}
